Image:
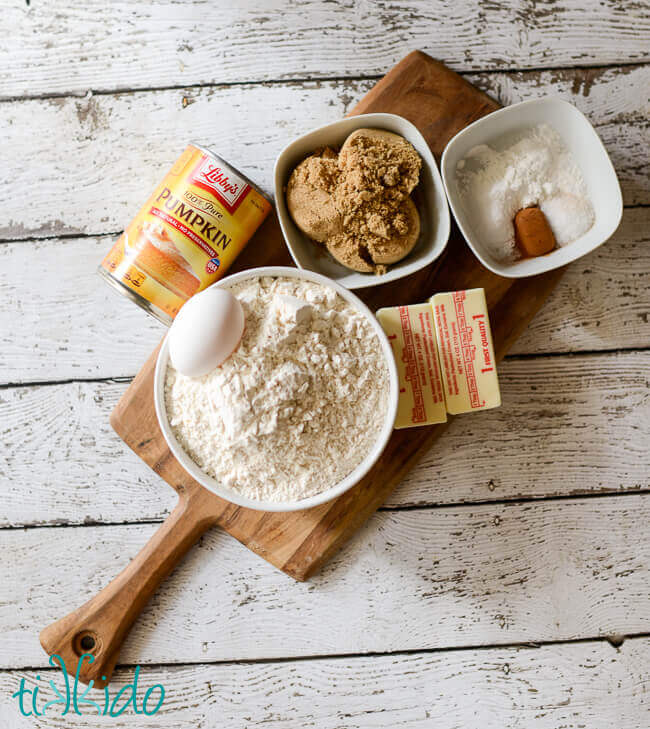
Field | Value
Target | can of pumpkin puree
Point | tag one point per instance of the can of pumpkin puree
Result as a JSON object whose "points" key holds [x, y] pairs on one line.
{"points": [[187, 234]]}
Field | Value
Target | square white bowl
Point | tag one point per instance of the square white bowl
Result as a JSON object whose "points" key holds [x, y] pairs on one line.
{"points": [[429, 197], [589, 153]]}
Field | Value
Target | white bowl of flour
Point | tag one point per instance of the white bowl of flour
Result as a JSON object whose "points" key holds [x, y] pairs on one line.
{"points": [[303, 408]]}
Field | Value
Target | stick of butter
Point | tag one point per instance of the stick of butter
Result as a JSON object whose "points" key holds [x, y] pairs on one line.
{"points": [[410, 331], [466, 351]]}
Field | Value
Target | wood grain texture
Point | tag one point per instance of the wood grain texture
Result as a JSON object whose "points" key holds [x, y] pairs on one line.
{"points": [[72, 325], [568, 685], [100, 156], [74, 469], [80, 328], [603, 301], [415, 579], [82, 46]]}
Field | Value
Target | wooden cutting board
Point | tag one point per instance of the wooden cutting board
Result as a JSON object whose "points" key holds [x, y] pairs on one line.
{"points": [[440, 103]]}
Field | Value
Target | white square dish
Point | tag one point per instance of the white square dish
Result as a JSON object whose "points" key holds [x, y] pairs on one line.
{"points": [[589, 153], [429, 197]]}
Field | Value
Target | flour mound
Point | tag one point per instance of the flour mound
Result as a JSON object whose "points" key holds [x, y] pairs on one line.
{"points": [[298, 405]]}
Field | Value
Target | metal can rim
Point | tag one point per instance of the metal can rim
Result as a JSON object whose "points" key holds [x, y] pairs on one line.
{"points": [[121, 288]]}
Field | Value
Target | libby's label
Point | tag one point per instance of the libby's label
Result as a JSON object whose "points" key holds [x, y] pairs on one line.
{"points": [[188, 233], [190, 223], [220, 180]]}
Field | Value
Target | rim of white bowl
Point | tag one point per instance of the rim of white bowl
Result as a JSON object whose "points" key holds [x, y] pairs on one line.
{"points": [[342, 486]]}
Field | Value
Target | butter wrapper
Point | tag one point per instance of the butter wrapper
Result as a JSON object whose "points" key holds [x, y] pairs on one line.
{"points": [[466, 351], [444, 355], [411, 333]]}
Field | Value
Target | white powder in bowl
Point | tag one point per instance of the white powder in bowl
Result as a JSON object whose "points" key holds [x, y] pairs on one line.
{"points": [[535, 169], [299, 404]]}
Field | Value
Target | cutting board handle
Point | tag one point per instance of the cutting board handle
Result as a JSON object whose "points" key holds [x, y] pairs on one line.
{"points": [[100, 626]]}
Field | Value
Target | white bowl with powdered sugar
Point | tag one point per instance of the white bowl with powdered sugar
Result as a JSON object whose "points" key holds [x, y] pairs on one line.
{"points": [[303, 408], [542, 152]]}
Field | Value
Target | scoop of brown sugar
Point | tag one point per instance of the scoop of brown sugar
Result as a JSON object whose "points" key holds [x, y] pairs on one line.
{"points": [[358, 202], [533, 234]]}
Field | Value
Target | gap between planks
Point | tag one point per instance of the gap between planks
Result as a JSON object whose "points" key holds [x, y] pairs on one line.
{"points": [[115, 234], [566, 685], [465, 73], [324, 39], [615, 641], [514, 501], [126, 379], [599, 305], [102, 189], [515, 357], [602, 400], [484, 575]]}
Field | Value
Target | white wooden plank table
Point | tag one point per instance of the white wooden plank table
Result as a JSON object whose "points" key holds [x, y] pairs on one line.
{"points": [[511, 589]]}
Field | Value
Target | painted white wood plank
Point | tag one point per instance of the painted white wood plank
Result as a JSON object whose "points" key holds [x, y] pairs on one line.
{"points": [[75, 165], [602, 301], [63, 464], [164, 43], [567, 685], [415, 579], [567, 426], [59, 320]]}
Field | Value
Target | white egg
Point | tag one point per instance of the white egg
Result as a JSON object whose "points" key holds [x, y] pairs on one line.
{"points": [[205, 332]]}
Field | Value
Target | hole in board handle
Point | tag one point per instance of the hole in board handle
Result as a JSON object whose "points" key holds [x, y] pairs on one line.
{"points": [[86, 642]]}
